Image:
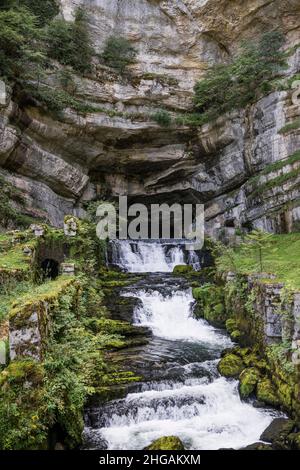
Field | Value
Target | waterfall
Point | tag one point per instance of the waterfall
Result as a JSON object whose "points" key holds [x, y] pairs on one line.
{"points": [[184, 394], [171, 317], [150, 256]]}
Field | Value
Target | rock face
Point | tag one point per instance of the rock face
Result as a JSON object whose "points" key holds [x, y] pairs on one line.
{"points": [[118, 149]]}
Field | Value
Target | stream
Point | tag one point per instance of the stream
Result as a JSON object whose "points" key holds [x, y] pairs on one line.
{"points": [[182, 393]]}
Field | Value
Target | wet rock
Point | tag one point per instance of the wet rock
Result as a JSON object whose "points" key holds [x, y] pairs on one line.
{"points": [[248, 381], [277, 433], [266, 392], [166, 443], [231, 366], [258, 446]]}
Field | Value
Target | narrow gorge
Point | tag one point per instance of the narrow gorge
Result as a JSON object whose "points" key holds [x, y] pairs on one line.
{"points": [[136, 343]]}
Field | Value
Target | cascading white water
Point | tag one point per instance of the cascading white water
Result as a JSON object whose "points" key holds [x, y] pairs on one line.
{"points": [[171, 317], [147, 257], [204, 412]]}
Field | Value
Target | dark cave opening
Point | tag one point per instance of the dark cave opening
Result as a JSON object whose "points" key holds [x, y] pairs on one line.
{"points": [[50, 268]]}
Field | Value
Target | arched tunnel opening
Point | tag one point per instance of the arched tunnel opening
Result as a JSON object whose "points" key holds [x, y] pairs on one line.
{"points": [[50, 268]]}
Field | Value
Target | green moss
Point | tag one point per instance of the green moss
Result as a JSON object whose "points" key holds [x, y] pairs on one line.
{"points": [[231, 365], [183, 269], [292, 126], [266, 392], [231, 325], [166, 443], [248, 381], [210, 304]]}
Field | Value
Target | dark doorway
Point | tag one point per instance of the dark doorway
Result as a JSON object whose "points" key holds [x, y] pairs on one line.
{"points": [[50, 269]]}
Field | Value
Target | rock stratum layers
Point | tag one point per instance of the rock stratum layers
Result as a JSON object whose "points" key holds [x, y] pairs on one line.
{"points": [[59, 164]]}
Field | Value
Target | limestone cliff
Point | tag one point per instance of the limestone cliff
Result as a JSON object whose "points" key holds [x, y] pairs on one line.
{"points": [[118, 149]]}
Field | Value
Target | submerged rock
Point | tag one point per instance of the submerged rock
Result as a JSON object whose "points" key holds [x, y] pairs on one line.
{"points": [[166, 443]]}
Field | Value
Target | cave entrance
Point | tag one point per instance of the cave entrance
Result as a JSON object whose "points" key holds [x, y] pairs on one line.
{"points": [[50, 269]]}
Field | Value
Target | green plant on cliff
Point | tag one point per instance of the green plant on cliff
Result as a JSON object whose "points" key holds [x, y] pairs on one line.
{"points": [[244, 80], [20, 43], [162, 117], [257, 241], [118, 53], [69, 42], [43, 10]]}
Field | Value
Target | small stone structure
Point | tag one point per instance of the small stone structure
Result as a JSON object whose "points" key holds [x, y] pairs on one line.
{"points": [[71, 226], [67, 269]]}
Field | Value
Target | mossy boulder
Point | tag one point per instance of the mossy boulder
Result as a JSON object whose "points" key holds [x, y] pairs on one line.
{"points": [[248, 381], [183, 269], [231, 365], [166, 443], [231, 325], [266, 392], [210, 304], [278, 432]]}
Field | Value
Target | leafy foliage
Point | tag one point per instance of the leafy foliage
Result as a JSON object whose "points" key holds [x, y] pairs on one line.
{"points": [[69, 43], [246, 78], [118, 53], [162, 118], [43, 10]]}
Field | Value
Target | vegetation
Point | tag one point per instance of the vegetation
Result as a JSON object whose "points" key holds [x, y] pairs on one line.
{"points": [[118, 53], [292, 126], [244, 80], [69, 43], [162, 118], [10, 199], [30, 39], [280, 257]]}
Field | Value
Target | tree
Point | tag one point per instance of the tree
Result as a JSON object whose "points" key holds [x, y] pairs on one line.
{"points": [[69, 43], [118, 53], [20, 42], [245, 79], [257, 241], [43, 10]]}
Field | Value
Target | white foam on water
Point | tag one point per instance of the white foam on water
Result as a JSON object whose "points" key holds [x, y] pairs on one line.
{"points": [[204, 416], [171, 318], [145, 257]]}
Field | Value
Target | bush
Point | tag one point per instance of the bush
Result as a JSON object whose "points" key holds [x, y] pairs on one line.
{"points": [[233, 86], [162, 118], [118, 53], [19, 42], [43, 10], [69, 43]]}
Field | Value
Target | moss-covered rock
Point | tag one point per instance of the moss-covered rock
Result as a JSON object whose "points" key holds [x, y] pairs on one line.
{"points": [[231, 365], [266, 392], [248, 381], [231, 325], [183, 269], [166, 443], [210, 304]]}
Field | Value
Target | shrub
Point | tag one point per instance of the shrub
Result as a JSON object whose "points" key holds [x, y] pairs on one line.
{"points": [[19, 42], [118, 53], [162, 118], [69, 43], [245, 79], [43, 10]]}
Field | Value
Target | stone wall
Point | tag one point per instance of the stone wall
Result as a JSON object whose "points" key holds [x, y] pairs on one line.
{"points": [[30, 319]]}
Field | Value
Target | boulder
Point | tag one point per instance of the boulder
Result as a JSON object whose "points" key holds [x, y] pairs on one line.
{"points": [[278, 431], [231, 366], [166, 443]]}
